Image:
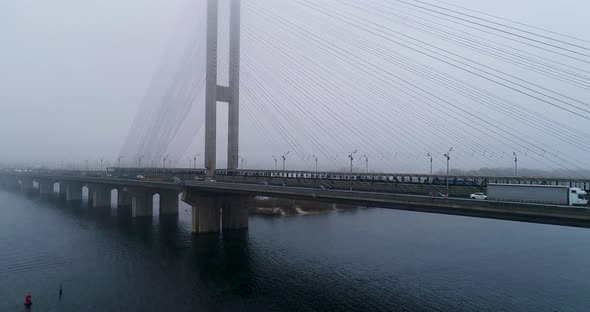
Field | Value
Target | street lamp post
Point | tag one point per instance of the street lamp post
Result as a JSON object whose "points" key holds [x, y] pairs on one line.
{"points": [[284, 159], [515, 164], [430, 155], [101, 164], [119, 161], [366, 163], [316, 164], [351, 159], [165, 157], [275, 158], [448, 156], [195, 160]]}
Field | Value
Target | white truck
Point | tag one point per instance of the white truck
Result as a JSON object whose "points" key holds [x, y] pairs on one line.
{"points": [[540, 194]]}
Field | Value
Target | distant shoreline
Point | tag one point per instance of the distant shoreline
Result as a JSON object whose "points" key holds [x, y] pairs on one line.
{"points": [[266, 206]]}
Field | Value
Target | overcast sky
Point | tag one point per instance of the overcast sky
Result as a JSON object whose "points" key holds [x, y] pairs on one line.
{"points": [[74, 73]]}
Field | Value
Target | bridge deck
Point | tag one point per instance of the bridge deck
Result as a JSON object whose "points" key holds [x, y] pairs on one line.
{"points": [[550, 214]]}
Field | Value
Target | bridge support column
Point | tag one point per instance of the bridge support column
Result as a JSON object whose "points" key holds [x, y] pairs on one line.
{"points": [[206, 212], [89, 193], [101, 196], [206, 215], [46, 188], [142, 203], [124, 198], [15, 183], [234, 212], [215, 93], [62, 190], [73, 191], [26, 185], [212, 212], [169, 203], [234, 86]]}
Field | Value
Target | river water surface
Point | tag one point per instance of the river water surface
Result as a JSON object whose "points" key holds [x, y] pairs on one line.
{"points": [[360, 260]]}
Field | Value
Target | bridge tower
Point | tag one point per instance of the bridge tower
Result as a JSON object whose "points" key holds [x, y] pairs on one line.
{"points": [[216, 93]]}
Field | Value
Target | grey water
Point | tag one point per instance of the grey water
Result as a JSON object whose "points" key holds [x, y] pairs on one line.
{"points": [[358, 260]]}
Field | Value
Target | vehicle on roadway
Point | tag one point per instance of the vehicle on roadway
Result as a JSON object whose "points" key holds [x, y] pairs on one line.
{"points": [[199, 179], [479, 196], [140, 177], [437, 194], [335, 177], [210, 180], [540, 194]]}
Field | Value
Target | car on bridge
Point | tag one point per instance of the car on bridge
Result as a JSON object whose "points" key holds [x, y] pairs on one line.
{"points": [[479, 196], [437, 194]]}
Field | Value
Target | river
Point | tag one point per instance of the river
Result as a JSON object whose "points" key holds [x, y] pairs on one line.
{"points": [[358, 260]]}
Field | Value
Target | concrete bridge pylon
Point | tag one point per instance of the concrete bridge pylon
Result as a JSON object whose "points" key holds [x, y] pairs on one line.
{"points": [[217, 93]]}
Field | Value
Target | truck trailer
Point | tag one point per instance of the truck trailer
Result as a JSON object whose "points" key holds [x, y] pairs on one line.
{"points": [[539, 194]]}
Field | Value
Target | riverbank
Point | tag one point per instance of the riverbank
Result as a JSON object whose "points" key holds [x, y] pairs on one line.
{"points": [[287, 207]]}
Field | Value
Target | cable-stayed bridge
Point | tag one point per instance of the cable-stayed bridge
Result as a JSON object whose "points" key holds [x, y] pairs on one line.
{"points": [[403, 83], [400, 82]]}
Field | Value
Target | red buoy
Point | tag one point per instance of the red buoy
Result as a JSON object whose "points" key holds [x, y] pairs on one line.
{"points": [[28, 300]]}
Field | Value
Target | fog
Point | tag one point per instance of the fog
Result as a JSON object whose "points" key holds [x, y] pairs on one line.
{"points": [[84, 80]]}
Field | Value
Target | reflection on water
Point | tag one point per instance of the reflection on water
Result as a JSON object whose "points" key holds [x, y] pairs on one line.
{"points": [[360, 260]]}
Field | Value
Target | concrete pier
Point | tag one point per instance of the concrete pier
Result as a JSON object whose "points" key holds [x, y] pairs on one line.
{"points": [[206, 215], [101, 196], [89, 193], [169, 203], [26, 185], [212, 212], [73, 191], [62, 190], [234, 212], [124, 198], [142, 203], [206, 212], [46, 188]]}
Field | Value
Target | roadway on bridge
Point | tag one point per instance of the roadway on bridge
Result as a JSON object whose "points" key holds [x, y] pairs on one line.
{"points": [[551, 214]]}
